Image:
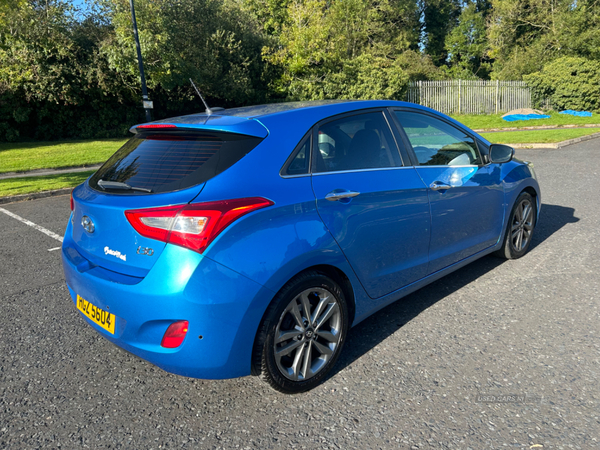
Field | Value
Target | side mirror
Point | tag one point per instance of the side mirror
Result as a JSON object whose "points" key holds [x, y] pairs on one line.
{"points": [[500, 153]]}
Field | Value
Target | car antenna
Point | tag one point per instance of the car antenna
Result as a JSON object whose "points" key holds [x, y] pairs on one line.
{"points": [[208, 110]]}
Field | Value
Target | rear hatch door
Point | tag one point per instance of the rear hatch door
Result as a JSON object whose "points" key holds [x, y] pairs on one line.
{"points": [[156, 168]]}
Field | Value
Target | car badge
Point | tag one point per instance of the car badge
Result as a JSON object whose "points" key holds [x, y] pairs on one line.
{"points": [[115, 253], [88, 224]]}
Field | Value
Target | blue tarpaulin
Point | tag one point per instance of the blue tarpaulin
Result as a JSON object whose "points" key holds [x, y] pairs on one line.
{"points": [[515, 117], [577, 113]]}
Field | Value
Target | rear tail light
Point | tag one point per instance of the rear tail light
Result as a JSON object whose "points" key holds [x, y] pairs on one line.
{"points": [[192, 226], [72, 202], [175, 334]]}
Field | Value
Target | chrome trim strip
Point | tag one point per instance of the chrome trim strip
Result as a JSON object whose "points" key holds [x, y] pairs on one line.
{"points": [[379, 168], [295, 176], [362, 170], [449, 167]]}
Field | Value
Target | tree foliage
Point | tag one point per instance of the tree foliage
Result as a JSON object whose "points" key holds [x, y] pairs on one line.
{"points": [[53, 80], [568, 83], [526, 34], [439, 18], [214, 42], [467, 44], [74, 73], [345, 48]]}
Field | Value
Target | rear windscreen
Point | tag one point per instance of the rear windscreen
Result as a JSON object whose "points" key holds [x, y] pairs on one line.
{"points": [[165, 162]]}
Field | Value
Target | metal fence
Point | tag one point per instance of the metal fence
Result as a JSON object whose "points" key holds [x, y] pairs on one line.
{"points": [[470, 97]]}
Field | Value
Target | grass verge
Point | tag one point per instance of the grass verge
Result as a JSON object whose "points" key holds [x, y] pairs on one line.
{"points": [[495, 121], [538, 136], [66, 154], [29, 185], [24, 156]]}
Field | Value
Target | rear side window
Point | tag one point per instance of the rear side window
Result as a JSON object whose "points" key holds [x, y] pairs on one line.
{"points": [[361, 141], [300, 158], [165, 162]]}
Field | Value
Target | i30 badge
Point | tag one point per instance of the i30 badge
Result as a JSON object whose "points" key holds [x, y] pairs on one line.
{"points": [[87, 224]]}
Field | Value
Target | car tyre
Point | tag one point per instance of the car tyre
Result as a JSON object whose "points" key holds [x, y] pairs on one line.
{"points": [[302, 333], [519, 229]]}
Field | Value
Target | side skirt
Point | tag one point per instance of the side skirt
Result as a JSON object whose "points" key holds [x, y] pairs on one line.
{"points": [[409, 289]]}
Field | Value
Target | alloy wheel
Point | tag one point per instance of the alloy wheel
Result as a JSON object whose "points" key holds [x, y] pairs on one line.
{"points": [[307, 334], [522, 225]]}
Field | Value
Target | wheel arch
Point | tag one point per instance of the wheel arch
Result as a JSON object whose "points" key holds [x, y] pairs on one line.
{"points": [[337, 275], [517, 177], [531, 191]]}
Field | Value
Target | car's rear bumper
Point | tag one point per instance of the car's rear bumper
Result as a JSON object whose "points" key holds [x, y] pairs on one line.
{"points": [[223, 308]]}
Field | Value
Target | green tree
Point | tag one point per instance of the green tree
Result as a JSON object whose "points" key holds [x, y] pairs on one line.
{"points": [[271, 14], [214, 42], [580, 29], [467, 44], [53, 81], [567, 83], [345, 48], [439, 18], [525, 35]]}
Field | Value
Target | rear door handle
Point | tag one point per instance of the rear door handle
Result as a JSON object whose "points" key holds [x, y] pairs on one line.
{"points": [[439, 186], [338, 195]]}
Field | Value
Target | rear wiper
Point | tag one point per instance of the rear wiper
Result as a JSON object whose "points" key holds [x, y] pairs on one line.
{"points": [[119, 185]]}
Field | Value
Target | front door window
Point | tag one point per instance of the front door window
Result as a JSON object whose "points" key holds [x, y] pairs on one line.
{"points": [[437, 143]]}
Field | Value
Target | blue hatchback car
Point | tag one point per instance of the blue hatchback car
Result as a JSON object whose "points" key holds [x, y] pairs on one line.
{"points": [[249, 240]]}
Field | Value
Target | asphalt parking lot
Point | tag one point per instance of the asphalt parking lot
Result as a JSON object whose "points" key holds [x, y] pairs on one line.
{"points": [[496, 355]]}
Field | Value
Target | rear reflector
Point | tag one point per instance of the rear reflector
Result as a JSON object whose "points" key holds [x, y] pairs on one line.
{"points": [[175, 334], [192, 226]]}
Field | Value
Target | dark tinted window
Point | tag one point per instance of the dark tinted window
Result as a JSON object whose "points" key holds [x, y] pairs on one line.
{"points": [[164, 162], [362, 141], [437, 143], [300, 160]]}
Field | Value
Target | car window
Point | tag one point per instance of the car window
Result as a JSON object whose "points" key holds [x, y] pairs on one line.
{"points": [[437, 143], [164, 162], [362, 141], [299, 163]]}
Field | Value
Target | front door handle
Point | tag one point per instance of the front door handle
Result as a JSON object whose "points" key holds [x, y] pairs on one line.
{"points": [[338, 195], [439, 186]]}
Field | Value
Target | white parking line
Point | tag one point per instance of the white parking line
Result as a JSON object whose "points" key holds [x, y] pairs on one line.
{"points": [[31, 224]]}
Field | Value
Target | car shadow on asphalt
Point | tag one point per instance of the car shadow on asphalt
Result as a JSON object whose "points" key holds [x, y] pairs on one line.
{"points": [[552, 218], [374, 330]]}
